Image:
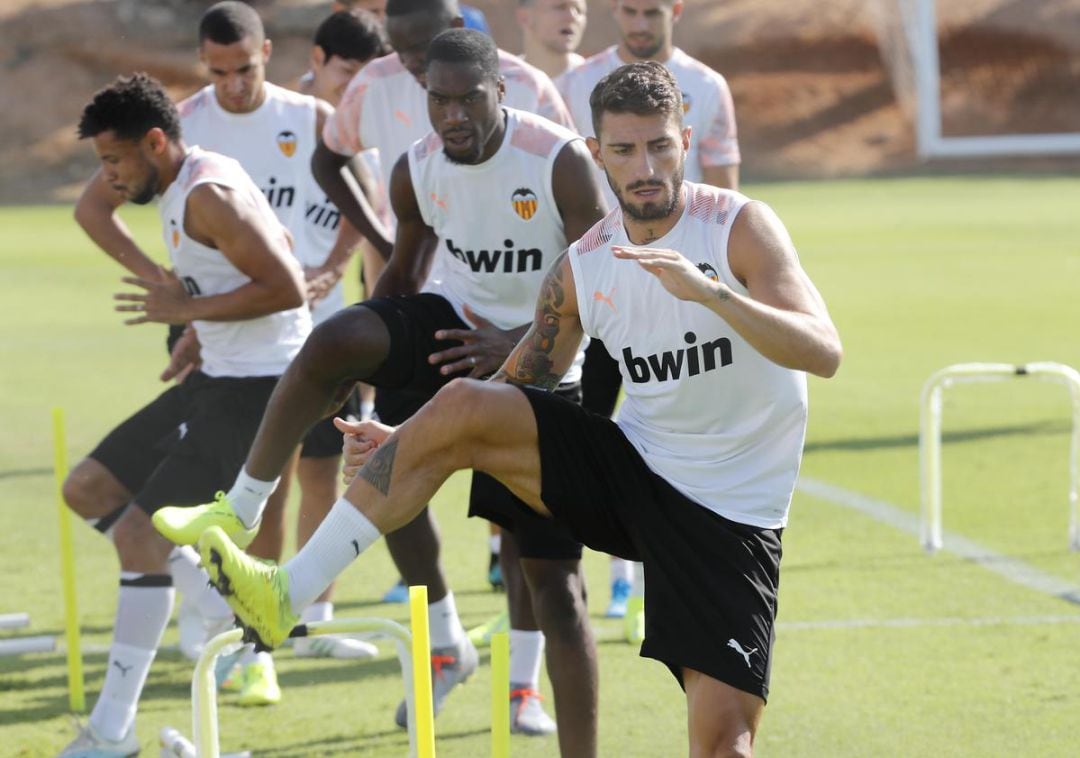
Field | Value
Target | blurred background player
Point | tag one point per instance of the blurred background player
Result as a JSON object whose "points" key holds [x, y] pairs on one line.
{"points": [[375, 7], [236, 281], [343, 43], [551, 32], [646, 31]]}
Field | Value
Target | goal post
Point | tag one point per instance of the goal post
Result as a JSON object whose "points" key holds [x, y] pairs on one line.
{"points": [[909, 39], [933, 390]]}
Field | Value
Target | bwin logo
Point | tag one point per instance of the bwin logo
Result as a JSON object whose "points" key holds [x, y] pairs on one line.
{"points": [[490, 260], [279, 197], [669, 365], [324, 215]]}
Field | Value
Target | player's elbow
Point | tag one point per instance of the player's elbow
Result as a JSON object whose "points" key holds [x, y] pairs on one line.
{"points": [[829, 357]]}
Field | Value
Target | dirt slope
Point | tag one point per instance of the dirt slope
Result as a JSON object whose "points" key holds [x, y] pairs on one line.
{"points": [[812, 95]]}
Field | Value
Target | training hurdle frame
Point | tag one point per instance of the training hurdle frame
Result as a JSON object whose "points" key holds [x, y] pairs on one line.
{"points": [[931, 401], [204, 716]]}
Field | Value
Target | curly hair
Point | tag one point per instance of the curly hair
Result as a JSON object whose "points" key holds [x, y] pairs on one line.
{"points": [[130, 107], [644, 88]]}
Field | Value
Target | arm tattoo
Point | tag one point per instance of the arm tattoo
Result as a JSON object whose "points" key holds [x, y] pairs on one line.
{"points": [[723, 294], [533, 364], [380, 466]]}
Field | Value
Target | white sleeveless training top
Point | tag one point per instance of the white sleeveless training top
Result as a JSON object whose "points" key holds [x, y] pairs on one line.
{"points": [[273, 144], [262, 346], [720, 422], [498, 226]]}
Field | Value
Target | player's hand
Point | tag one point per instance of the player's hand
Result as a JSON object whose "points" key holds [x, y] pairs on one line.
{"points": [[484, 351], [320, 280], [185, 357], [164, 301], [361, 439], [679, 276]]}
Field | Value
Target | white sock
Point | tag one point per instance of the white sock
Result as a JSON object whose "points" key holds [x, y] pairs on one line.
{"points": [[323, 611], [340, 538], [367, 410], [638, 589], [249, 656], [495, 543], [248, 497], [188, 579], [622, 569], [526, 653], [444, 626], [191, 581], [142, 612], [114, 711]]}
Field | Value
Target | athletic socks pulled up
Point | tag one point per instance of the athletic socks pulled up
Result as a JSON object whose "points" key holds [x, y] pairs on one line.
{"points": [[248, 497], [340, 538], [142, 612]]}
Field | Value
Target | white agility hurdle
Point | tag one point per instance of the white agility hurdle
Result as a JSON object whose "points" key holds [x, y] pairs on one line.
{"points": [[930, 435], [204, 717]]}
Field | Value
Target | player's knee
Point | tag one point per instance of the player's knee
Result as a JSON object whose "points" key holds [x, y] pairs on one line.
{"points": [[351, 338], [558, 598], [725, 744], [82, 493]]}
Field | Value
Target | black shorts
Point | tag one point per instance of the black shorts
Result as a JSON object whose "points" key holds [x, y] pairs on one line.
{"points": [[600, 380], [406, 381], [324, 440], [188, 443], [710, 583], [537, 536]]}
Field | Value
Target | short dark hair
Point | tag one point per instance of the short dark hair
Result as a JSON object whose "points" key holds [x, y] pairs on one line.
{"points": [[644, 88], [130, 107], [466, 46], [446, 8], [354, 35], [230, 21]]}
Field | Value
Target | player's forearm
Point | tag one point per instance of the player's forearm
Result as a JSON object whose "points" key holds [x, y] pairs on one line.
{"points": [[326, 166], [801, 341], [726, 177], [108, 231], [248, 301]]}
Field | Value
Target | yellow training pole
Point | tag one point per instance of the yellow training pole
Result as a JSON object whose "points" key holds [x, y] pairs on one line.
{"points": [[500, 695], [76, 695], [421, 655]]}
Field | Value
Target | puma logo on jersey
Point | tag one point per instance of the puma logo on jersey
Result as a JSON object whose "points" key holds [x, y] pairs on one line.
{"points": [[734, 645], [324, 214], [508, 261], [600, 297], [123, 669], [286, 142], [673, 364], [524, 202], [279, 197]]}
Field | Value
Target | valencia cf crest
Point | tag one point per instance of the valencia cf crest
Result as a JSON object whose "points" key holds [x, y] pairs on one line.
{"points": [[709, 272], [175, 234], [286, 142], [687, 102], [525, 202]]}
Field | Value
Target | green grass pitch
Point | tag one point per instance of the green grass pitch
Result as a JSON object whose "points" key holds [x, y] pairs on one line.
{"points": [[881, 649]]}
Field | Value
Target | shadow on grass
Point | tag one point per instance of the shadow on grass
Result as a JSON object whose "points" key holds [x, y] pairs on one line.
{"points": [[856, 444]]}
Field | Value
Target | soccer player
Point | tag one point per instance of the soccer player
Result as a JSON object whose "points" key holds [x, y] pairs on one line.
{"points": [[646, 29], [386, 107], [483, 201], [716, 324], [551, 31], [237, 283]]}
